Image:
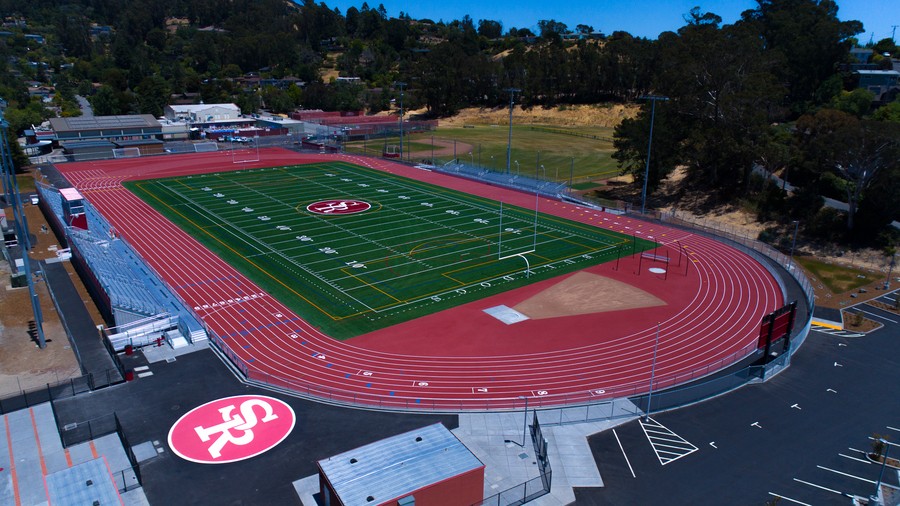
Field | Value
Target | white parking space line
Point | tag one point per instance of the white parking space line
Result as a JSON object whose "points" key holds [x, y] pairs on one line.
{"points": [[846, 474], [786, 498], [893, 428], [798, 480], [873, 315], [623, 454], [854, 458]]}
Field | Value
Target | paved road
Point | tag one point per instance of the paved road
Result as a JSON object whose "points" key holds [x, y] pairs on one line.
{"points": [[86, 110], [799, 436]]}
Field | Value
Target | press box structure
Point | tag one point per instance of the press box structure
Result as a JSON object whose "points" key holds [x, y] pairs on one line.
{"points": [[73, 208]]}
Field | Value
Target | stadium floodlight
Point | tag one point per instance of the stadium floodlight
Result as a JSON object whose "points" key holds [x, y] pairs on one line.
{"points": [[653, 99], [512, 94], [401, 85]]}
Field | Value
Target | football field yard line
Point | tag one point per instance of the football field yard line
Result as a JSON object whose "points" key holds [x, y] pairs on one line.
{"points": [[229, 248], [415, 244], [236, 230]]}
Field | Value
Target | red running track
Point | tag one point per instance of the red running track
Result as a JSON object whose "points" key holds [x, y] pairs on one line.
{"points": [[460, 358]]}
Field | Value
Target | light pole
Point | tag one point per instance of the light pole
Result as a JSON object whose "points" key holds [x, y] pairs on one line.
{"points": [[512, 94], [652, 372], [401, 84], [876, 499], [653, 99], [793, 244]]}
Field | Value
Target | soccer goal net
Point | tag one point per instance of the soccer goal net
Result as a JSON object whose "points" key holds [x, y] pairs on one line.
{"points": [[245, 154], [126, 152], [206, 147]]}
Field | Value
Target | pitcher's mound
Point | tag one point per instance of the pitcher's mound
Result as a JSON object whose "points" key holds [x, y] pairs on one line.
{"points": [[586, 293]]}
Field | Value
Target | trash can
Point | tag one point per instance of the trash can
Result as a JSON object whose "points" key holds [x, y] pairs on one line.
{"points": [[129, 375], [129, 350]]}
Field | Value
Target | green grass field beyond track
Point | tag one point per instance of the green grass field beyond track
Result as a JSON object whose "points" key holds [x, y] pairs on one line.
{"points": [[532, 147], [418, 249]]}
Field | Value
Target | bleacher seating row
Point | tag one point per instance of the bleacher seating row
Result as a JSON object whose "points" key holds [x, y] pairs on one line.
{"points": [[116, 276]]}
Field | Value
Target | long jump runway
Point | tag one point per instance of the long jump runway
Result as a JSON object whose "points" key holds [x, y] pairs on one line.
{"points": [[714, 299]]}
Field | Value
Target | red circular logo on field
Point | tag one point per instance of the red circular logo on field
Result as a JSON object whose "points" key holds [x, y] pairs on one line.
{"points": [[231, 429], [338, 207]]}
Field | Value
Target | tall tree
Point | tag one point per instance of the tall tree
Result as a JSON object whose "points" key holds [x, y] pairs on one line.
{"points": [[809, 40], [856, 150]]}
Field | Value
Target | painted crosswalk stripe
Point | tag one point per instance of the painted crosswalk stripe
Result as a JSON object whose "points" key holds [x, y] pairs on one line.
{"points": [[667, 445]]}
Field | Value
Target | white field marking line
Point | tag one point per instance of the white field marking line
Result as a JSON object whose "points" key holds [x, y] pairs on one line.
{"points": [[846, 474], [854, 458], [318, 275], [623, 454], [818, 486], [486, 207], [788, 499], [241, 233], [877, 316], [332, 224], [454, 253]]}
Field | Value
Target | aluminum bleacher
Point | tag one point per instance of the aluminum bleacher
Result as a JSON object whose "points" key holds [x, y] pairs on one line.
{"points": [[134, 290]]}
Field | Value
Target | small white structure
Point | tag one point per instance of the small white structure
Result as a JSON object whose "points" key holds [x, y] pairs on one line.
{"points": [[202, 113]]}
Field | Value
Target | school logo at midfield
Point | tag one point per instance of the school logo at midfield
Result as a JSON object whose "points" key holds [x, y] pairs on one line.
{"points": [[338, 207], [231, 429]]}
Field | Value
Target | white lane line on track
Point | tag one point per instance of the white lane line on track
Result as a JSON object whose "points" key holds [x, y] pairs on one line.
{"points": [[623, 454]]}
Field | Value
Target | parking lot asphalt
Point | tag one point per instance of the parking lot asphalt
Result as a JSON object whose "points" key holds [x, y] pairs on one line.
{"points": [[789, 438]]}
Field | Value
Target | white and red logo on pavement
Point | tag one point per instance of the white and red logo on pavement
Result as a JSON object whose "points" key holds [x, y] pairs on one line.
{"points": [[338, 207], [231, 429]]}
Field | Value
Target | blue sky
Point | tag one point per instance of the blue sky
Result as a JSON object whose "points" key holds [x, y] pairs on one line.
{"points": [[646, 18]]}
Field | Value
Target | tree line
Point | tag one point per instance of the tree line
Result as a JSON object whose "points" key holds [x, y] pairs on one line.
{"points": [[771, 91]]}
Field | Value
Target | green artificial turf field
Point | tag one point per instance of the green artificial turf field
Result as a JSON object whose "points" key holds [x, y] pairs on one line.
{"points": [[411, 249]]}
